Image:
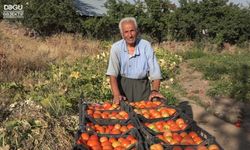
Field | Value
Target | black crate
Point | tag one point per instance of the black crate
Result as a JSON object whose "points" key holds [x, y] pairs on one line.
{"points": [[162, 100], [123, 105], [136, 146], [84, 117], [102, 121], [150, 138], [143, 119], [80, 147], [147, 137], [90, 130], [216, 143], [188, 121]]}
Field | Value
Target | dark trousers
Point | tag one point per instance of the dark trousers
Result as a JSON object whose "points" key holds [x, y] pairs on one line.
{"points": [[134, 89]]}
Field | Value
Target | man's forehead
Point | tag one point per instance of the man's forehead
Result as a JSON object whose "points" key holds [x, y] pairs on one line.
{"points": [[128, 23]]}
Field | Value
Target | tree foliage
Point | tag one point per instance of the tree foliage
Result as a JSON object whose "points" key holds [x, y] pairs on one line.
{"points": [[48, 16], [184, 21], [215, 20], [157, 16]]}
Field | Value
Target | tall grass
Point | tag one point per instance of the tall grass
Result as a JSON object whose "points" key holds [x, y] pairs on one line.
{"points": [[24, 54]]}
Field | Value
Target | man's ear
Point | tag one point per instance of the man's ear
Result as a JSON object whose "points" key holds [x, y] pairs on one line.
{"points": [[121, 34]]}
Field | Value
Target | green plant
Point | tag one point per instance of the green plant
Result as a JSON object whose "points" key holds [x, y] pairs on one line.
{"points": [[230, 73], [168, 62], [193, 54], [59, 88], [220, 88], [241, 82], [171, 99]]}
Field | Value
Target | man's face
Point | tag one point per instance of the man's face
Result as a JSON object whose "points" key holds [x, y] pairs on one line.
{"points": [[129, 32]]}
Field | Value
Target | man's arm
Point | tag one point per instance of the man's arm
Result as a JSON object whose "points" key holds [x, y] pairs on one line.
{"points": [[114, 88], [155, 89], [156, 85], [114, 85], [113, 71], [154, 73]]}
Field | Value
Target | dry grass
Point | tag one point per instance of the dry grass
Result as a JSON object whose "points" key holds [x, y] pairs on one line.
{"points": [[180, 47], [177, 46], [20, 54]]}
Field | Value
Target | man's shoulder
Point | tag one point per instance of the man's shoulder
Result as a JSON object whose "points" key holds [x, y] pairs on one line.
{"points": [[144, 42], [117, 43]]}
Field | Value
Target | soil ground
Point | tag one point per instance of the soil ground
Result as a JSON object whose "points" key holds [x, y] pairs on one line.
{"points": [[203, 108]]}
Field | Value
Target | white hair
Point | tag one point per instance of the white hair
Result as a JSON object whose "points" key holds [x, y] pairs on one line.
{"points": [[127, 19]]}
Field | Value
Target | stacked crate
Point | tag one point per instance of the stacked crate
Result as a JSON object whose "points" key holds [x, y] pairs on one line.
{"points": [[107, 127], [143, 125]]}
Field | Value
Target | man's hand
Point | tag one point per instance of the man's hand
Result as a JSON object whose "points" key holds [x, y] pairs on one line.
{"points": [[154, 94], [118, 98], [155, 90]]}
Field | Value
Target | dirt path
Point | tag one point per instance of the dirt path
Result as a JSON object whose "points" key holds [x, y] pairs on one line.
{"points": [[207, 112]]}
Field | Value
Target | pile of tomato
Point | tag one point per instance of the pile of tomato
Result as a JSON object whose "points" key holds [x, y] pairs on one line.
{"points": [[143, 125]]}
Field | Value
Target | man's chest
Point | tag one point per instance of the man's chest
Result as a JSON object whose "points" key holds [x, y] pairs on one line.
{"points": [[135, 61]]}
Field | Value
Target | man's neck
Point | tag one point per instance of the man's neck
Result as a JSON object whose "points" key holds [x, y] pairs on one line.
{"points": [[131, 48], [131, 45]]}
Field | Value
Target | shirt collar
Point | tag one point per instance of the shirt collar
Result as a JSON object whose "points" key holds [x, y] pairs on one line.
{"points": [[137, 50]]}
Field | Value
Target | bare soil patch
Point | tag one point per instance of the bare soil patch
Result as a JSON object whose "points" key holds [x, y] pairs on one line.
{"points": [[216, 115]]}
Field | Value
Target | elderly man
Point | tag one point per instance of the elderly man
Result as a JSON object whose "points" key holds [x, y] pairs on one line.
{"points": [[131, 62]]}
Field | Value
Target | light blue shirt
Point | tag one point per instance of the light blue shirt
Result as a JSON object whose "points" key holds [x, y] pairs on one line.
{"points": [[138, 66]]}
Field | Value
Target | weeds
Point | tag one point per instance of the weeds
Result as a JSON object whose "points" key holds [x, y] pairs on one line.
{"points": [[193, 54], [230, 73]]}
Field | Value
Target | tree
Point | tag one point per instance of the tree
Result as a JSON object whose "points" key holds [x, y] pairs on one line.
{"points": [[155, 23], [184, 22], [51, 16], [107, 26], [48, 16], [151, 15], [225, 22], [100, 28], [215, 20]]}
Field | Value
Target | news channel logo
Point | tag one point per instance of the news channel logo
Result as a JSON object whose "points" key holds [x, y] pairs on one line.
{"points": [[13, 11]]}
